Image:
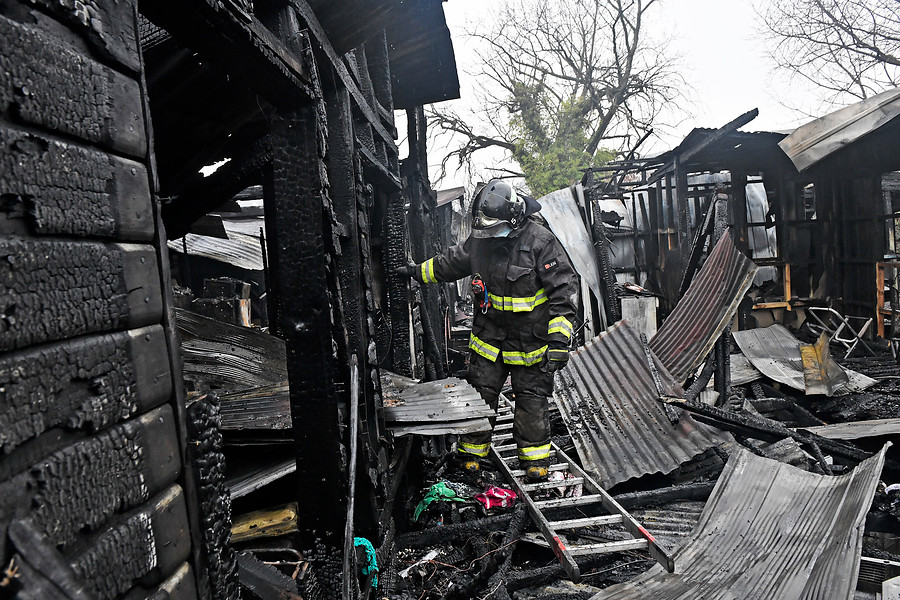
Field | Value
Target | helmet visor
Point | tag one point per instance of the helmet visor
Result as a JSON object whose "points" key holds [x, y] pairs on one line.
{"points": [[483, 221]]}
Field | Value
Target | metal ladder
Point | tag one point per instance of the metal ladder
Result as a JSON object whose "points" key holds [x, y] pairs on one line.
{"points": [[595, 495]]}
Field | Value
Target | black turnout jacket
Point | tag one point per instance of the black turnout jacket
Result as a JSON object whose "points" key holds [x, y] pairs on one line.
{"points": [[531, 286]]}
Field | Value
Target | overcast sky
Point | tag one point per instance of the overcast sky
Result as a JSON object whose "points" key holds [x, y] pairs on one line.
{"points": [[724, 63]]}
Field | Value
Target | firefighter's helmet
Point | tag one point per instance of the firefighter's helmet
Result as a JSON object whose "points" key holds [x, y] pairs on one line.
{"points": [[497, 210]]}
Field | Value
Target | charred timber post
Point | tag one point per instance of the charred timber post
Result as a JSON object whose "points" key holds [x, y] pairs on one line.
{"points": [[682, 214], [421, 231], [723, 366], [737, 210], [295, 231]]}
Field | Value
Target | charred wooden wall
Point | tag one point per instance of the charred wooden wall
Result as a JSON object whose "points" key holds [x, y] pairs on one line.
{"points": [[95, 498]]}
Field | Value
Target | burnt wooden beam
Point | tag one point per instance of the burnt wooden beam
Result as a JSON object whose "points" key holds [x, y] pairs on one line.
{"points": [[302, 318], [320, 38], [422, 204], [237, 41], [208, 193]]}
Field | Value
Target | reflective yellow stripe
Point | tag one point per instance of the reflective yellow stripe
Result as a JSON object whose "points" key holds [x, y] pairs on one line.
{"points": [[483, 348], [510, 303], [560, 325], [476, 449], [512, 357], [534, 452], [428, 271]]}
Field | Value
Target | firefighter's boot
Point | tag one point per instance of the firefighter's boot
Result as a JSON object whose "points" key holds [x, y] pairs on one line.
{"points": [[536, 473], [471, 465]]}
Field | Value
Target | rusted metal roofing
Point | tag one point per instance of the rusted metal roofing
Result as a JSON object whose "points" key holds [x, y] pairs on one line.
{"points": [[817, 139], [776, 353], [432, 408], [608, 399], [769, 531], [705, 310]]}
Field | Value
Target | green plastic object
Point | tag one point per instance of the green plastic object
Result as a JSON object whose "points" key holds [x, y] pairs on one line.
{"points": [[439, 491]]}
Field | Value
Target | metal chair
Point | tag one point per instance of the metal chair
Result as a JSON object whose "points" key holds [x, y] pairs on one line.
{"points": [[839, 329]]}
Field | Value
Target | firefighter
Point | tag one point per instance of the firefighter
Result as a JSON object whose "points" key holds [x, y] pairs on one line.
{"points": [[525, 290]]}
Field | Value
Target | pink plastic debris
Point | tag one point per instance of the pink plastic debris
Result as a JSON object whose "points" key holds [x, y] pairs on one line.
{"points": [[497, 496]]}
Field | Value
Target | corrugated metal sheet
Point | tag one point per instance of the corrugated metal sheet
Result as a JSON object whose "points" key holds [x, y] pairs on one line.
{"points": [[857, 429], [769, 531], [448, 405], [706, 309], [817, 139], [608, 399], [672, 522], [241, 250], [776, 354]]}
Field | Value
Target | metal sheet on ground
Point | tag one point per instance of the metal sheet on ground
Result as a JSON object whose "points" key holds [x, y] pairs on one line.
{"points": [[762, 536], [608, 399], [776, 353], [857, 430], [448, 405]]}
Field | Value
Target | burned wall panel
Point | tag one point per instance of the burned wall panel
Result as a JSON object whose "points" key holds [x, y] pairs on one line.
{"points": [[91, 469]]}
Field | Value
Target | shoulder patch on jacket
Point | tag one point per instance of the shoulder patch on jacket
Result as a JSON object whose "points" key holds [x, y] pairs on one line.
{"points": [[550, 265]]}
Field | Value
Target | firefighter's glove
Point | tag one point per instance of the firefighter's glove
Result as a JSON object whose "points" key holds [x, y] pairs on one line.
{"points": [[557, 356], [407, 270]]}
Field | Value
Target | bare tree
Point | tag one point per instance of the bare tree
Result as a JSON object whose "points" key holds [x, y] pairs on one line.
{"points": [[840, 46], [561, 81]]}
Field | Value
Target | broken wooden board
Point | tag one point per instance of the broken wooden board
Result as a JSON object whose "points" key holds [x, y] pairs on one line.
{"points": [[272, 522], [433, 408]]}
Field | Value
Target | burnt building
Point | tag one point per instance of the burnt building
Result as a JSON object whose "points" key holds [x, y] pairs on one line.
{"points": [[111, 475]]}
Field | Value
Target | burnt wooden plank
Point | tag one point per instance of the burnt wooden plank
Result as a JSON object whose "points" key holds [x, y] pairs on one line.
{"points": [[44, 572], [79, 488], [205, 194], [45, 83], [323, 44], [108, 25], [248, 482], [87, 383], [50, 187], [147, 544], [82, 486], [54, 290]]}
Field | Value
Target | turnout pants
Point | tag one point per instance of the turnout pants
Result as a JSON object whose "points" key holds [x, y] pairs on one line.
{"points": [[531, 424]]}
